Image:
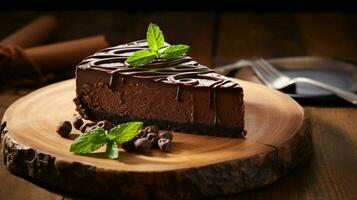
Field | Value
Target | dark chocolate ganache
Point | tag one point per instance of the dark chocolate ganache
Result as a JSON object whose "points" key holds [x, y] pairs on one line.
{"points": [[182, 71]]}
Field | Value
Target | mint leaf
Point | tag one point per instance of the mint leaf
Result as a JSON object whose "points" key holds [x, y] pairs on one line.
{"points": [[174, 51], [89, 142], [124, 132], [156, 42], [154, 37], [112, 150], [141, 57]]}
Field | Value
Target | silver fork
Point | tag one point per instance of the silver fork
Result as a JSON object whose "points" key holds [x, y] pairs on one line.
{"points": [[276, 80]]}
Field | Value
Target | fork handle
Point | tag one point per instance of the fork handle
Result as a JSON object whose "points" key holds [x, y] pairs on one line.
{"points": [[348, 96]]}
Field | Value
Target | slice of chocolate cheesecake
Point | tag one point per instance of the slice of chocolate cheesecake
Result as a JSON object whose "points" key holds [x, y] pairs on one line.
{"points": [[179, 95]]}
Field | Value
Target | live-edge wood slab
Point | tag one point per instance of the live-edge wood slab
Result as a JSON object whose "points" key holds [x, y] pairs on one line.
{"points": [[278, 140]]}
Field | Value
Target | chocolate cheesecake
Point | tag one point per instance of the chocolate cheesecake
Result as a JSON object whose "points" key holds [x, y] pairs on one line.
{"points": [[179, 95]]}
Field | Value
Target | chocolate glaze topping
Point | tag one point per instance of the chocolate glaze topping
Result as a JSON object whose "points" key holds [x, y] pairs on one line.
{"points": [[182, 71]]}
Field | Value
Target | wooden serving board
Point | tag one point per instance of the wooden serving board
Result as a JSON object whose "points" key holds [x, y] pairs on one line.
{"points": [[278, 139]]}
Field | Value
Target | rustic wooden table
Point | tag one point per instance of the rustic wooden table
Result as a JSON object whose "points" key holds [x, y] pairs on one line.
{"points": [[220, 37]]}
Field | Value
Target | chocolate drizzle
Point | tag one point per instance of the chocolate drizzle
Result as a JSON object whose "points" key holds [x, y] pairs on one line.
{"points": [[178, 93], [193, 109], [210, 99], [183, 71], [215, 118], [213, 105], [112, 81]]}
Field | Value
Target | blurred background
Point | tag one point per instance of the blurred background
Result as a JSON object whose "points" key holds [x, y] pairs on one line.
{"points": [[219, 33], [214, 36]]}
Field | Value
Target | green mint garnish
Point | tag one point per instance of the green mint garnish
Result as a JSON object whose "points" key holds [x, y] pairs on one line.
{"points": [[140, 57], [89, 142], [154, 37], [174, 51], [124, 132], [98, 137], [112, 150], [156, 41]]}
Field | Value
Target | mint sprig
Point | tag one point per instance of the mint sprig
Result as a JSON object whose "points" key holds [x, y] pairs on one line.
{"points": [[89, 142], [155, 37], [174, 51], [98, 137], [140, 57], [112, 150], [157, 49]]}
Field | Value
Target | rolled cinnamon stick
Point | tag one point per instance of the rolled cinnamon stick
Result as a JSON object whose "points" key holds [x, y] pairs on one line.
{"points": [[35, 66], [34, 33], [64, 55]]}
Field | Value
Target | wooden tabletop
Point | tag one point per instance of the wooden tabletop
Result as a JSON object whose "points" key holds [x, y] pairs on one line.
{"points": [[223, 37]]}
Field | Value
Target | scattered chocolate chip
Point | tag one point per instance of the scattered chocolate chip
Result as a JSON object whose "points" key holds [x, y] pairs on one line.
{"points": [[142, 134], [167, 135], [153, 138], [151, 129], [64, 128], [105, 125], [83, 128], [77, 122], [129, 146], [142, 145], [164, 144]]}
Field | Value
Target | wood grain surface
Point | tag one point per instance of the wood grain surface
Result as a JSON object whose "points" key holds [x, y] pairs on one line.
{"points": [[230, 36], [275, 144]]}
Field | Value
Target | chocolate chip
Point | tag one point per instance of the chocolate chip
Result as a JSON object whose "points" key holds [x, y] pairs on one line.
{"points": [[164, 144], [153, 138], [142, 145], [83, 128], [77, 122], [129, 146], [105, 125], [167, 135], [64, 128], [151, 129], [142, 134]]}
